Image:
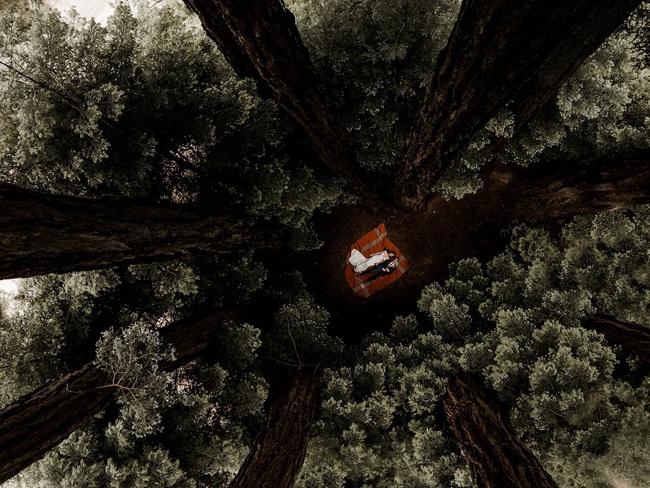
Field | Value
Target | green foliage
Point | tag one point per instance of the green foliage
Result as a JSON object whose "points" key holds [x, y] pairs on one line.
{"points": [[516, 323], [374, 59], [147, 106], [57, 319], [171, 283], [191, 428], [300, 336], [638, 27], [293, 198], [448, 318], [609, 256], [520, 316], [624, 462], [75, 464], [131, 361], [378, 425], [86, 118], [54, 319]]}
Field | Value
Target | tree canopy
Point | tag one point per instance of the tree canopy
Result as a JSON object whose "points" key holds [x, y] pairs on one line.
{"points": [[181, 185]]}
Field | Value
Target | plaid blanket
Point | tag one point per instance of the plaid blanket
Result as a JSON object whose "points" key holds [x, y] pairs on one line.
{"points": [[374, 241]]}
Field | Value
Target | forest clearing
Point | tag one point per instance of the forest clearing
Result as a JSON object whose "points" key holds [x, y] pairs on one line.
{"points": [[325, 244]]}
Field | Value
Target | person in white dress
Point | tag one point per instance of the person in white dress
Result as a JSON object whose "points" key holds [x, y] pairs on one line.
{"points": [[361, 264]]}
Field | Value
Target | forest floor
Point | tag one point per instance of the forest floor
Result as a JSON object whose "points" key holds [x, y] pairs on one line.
{"points": [[431, 241]]}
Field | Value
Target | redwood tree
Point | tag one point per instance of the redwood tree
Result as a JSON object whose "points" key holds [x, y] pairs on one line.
{"points": [[590, 187], [37, 422], [47, 233], [497, 53], [44, 233], [495, 455], [260, 40], [271, 462]]}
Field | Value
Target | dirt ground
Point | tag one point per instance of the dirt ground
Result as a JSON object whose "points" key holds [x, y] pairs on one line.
{"points": [[447, 232]]}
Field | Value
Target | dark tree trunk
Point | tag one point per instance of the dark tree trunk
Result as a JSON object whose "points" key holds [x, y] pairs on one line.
{"points": [[499, 50], [260, 39], [633, 338], [588, 32], [37, 422], [552, 192], [219, 32], [44, 233], [497, 459], [277, 454]]}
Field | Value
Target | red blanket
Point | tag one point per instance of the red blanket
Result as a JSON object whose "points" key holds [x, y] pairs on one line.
{"points": [[374, 241]]}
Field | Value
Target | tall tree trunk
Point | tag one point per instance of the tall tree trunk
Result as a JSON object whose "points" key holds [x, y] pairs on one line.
{"points": [[499, 50], [277, 454], [634, 338], [552, 192], [219, 31], [37, 422], [497, 459], [44, 233], [589, 31], [260, 39]]}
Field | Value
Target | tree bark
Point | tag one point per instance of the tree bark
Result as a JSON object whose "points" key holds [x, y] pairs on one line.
{"points": [[498, 51], [260, 39], [44, 233], [552, 192], [220, 32], [584, 37], [278, 452], [37, 422], [497, 459], [634, 338]]}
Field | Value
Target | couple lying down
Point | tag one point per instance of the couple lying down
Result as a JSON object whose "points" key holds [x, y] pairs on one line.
{"points": [[379, 263]]}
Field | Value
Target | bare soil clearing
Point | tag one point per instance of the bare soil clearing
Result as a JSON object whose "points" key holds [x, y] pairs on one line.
{"points": [[447, 232]]}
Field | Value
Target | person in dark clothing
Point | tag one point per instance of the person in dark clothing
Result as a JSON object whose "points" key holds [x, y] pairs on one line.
{"points": [[382, 269]]}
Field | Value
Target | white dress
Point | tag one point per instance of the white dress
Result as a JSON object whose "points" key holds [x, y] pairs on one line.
{"points": [[361, 263]]}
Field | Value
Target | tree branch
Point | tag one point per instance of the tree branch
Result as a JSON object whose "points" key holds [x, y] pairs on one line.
{"points": [[634, 338], [498, 51]]}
